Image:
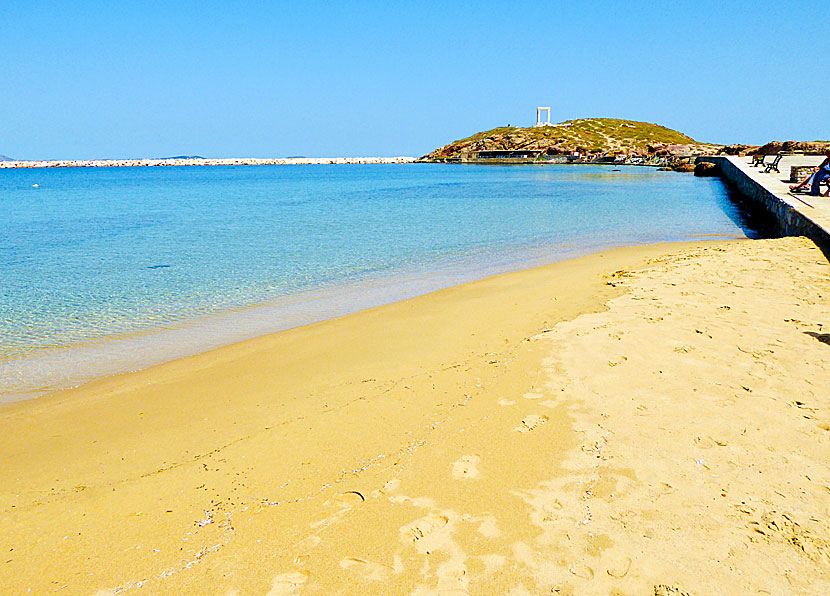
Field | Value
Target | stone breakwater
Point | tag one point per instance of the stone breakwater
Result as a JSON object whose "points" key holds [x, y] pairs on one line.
{"points": [[243, 161]]}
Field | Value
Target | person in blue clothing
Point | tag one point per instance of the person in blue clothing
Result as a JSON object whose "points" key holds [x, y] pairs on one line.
{"points": [[820, 174]]}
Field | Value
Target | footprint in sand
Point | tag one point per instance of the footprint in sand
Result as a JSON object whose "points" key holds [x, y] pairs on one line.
{"points": [[304, 549], [664, 488], [619, 568], [350, 498], [551, 509], [705, 442], [452, 581], [368, 570], [531, 422], [466, 467], [664, 590], [308, 543], [288, 584], [581, 571], [391, 486], [532, 395], [422, 529], [345, 503], [506, 402]]}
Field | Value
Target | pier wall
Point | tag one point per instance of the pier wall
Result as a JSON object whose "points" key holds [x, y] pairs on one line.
{"points": [[790, 220]]}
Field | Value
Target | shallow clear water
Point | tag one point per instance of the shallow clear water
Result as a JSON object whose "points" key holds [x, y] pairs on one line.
{"points": [[109, 269]]}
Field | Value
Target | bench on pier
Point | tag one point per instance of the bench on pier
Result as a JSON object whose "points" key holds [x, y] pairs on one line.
{"points": [[773, 165], [758, 160]]}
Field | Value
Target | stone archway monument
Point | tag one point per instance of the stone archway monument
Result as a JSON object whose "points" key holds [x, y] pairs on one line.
{"points": [[539, 117]]}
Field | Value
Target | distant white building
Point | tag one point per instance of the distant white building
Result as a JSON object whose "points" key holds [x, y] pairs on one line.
{"points": [[539, 117]]}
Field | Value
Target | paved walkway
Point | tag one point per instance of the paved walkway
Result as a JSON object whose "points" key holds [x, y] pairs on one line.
{"points": [[816, 209]]}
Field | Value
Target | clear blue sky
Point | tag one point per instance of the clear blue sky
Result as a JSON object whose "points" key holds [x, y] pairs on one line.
{"points": [[86, 79]]}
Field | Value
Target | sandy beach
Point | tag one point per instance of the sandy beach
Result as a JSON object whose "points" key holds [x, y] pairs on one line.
{"points": [[646, 420]]}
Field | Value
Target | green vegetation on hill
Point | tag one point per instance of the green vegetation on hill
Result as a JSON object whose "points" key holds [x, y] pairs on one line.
{"points": [[585, 135]]}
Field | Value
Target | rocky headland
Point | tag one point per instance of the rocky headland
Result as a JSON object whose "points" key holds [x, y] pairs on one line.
{"points": [[585, 138], [602, 140]]}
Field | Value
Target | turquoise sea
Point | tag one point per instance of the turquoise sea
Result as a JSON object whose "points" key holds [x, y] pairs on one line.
{"points": [[104, 270]]}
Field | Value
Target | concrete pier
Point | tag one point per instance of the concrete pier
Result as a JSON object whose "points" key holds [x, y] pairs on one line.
{"points": [[796, 214]]}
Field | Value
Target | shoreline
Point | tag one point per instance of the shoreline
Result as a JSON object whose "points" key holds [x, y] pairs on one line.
{"points": [[173, 162], [145, 347], [584, 426]]}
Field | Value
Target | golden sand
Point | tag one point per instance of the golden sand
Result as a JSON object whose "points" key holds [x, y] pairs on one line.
{"points": [[650, 420]]}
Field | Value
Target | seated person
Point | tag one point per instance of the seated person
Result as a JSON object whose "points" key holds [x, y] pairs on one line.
{"points": [[821, 173]]}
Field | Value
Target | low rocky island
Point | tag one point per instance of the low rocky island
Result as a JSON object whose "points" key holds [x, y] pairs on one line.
{"points": [[581, 140], [603, 140]]}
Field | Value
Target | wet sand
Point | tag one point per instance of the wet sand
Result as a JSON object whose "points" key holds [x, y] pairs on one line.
{"points": [[649, 420]]}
